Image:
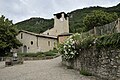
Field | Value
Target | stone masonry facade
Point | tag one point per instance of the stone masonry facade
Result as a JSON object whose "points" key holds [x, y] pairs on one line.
{"points": [[103, 63]]}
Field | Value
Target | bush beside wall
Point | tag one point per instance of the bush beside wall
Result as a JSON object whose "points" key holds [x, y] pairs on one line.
{"points": [[98, 55]]}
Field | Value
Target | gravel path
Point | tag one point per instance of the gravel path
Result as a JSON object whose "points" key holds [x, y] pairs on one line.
{"points": [[40, 70]]}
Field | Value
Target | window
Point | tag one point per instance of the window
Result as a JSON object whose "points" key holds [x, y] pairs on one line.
{"points": [[48, 43], [47, 33], [21, 35], [31, 42], [54, 44]]}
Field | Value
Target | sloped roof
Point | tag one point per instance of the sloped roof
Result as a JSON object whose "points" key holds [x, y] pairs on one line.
{"points": [[65, 34], [39, 35]]}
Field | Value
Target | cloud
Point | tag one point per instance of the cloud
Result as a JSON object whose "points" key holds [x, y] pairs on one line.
{"points": [[18, 10]]}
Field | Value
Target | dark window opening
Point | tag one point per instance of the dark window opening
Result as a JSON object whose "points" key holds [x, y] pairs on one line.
{"points": [[47, 33], [31, 42], [59, 15], [65, 16], [21, 35], [37, 41], [48, 43]]}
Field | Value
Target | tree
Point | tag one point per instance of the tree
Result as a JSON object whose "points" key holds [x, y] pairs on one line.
{"points": [[98, 18], [8, 34]]}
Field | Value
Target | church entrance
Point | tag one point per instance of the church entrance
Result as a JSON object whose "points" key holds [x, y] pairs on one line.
{"points": [[24, 49]]}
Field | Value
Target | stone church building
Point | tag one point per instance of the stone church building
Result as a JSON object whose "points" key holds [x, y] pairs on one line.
{"points": [[33, 42]]}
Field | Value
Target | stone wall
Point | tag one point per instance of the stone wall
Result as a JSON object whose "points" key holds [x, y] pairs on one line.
{"points": [[103, 63], [113, 27]]}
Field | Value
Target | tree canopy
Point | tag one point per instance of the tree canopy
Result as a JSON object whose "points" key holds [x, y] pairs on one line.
{"points": [[8, 34], [98, 18]]}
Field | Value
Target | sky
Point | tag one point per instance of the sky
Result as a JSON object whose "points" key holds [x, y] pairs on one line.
{"points": [[19, 10]]}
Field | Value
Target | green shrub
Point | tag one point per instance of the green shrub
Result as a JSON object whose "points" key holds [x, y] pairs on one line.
{"points": [[9, 54], [54, 50], [111, 40], [50, 53], [85, 73], [29, 54], [39, 54]]}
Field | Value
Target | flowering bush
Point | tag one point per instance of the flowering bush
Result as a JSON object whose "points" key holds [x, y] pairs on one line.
{"points": [[78, 42], [68, 49]]}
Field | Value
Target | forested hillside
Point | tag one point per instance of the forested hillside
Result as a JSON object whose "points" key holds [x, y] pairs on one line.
{"points": [[39, 25], [77, 16]]}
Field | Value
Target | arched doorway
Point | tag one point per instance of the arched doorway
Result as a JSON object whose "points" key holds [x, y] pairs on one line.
{"points": [[24, 49]]}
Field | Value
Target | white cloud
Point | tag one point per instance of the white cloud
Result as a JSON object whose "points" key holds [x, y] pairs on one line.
{"points": [[18, 10]]}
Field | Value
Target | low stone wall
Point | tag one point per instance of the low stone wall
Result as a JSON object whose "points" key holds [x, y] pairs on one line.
{"points": [[103, 63]]}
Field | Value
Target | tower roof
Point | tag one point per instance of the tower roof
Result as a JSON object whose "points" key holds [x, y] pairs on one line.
{"points": [[59, 15]]}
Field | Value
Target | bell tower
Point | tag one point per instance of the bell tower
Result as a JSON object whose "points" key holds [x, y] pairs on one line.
{"points": [[61, 24]]}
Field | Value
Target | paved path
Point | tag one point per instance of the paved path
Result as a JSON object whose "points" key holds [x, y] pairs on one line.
{"points": [[40, 70]]}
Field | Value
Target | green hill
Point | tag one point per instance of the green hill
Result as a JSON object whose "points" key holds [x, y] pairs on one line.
{"points": [[76, 17], [37, 25]]}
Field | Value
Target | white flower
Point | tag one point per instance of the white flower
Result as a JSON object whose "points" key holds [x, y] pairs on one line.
{"points": [[69, 46], [90, 45], [64, 46], [73, 47], [94, 42], [74, 51], [67, 42], [71, 53], [68, 49], [77, 53], [71, 39], [66, 52], [73, 42]]}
